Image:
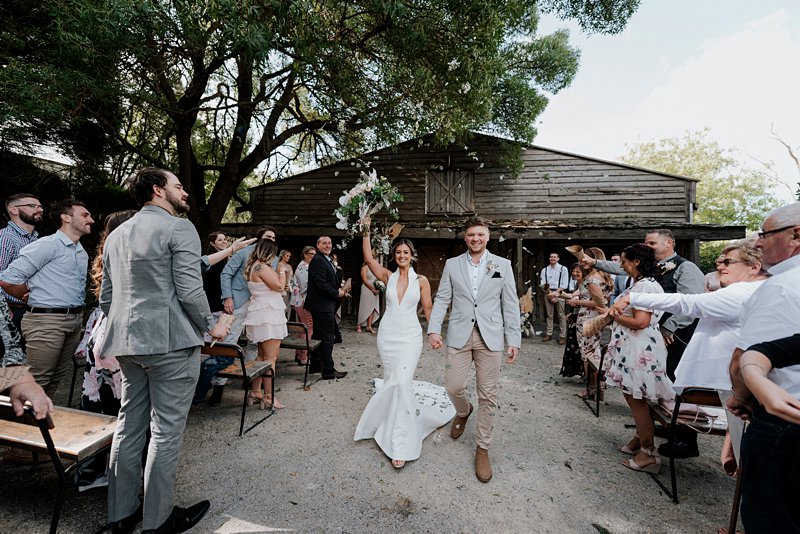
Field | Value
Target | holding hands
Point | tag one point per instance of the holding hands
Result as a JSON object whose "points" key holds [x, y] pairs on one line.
{"points": [[435, 341]]}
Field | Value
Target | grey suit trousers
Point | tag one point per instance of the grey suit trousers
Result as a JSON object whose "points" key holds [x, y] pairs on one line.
{"points": [[157, 393]]}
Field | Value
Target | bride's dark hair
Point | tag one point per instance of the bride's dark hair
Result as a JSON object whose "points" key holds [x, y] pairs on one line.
{"points": [[409, 244]]}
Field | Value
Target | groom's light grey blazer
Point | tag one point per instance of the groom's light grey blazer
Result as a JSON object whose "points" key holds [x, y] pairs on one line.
{"points": [[496, 310], [154, 297]]}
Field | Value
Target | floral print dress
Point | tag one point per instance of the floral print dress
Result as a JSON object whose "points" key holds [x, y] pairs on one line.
{"points": [[590, 345], [639, 357]]}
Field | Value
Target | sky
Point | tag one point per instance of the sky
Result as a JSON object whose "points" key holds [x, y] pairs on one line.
{"points": [[732, 66]]}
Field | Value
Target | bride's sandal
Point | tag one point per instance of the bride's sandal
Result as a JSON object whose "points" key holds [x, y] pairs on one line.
{"points": [[632, 447], [398, 464], [654, 468]]}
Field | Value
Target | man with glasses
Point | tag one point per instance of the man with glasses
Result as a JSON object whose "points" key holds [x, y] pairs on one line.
{"points": [[24, 213], [771, 445]]}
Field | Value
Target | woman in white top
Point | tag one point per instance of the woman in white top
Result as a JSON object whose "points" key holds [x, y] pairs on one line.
{"points": [[707, 357]]}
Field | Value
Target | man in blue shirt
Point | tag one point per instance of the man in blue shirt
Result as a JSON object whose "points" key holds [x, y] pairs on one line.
{"points": [[52, 270], [24, 213]]}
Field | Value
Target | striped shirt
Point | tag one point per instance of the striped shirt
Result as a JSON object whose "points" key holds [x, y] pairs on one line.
{"points": [[54, 268], [12, 239]]}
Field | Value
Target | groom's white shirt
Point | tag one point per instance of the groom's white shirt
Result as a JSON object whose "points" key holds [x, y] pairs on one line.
{"points": [[495, 309]]}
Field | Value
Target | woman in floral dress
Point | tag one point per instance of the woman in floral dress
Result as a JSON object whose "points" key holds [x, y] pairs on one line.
{"points": [[639, 358], [594, 293]]}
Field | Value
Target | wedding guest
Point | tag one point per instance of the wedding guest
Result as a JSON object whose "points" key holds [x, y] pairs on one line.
{"points": [[707, 357], [265, 323], [369, 303], [24, 213], [572, 363], [711, 280], [555, 276], [340, 282], [593, 293], [639, 357], [299, 291], [284, 257], [53, 269]]}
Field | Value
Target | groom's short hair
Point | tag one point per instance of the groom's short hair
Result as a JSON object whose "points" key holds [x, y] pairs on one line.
{"points": [[475, 221]]}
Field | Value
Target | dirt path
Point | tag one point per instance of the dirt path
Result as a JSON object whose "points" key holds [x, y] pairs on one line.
{"points": [[555, 467]]}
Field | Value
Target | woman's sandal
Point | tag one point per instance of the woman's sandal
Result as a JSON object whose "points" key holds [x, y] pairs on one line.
{"points": [[654, 468], [627, 449], [358, 329], [252, 397], [398, 464], [268, 403], [370, 330]]}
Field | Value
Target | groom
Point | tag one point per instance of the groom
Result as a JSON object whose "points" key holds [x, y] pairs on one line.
{"points": [[480, 287]]}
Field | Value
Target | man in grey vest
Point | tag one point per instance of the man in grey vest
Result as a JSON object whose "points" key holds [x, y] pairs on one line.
{"points": [[555, 276], [152, 294]]}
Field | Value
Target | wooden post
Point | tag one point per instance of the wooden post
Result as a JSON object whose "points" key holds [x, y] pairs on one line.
{"points": [[519, 266]]}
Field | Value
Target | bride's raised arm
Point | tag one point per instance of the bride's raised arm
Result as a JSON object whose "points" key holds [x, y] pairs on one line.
{"points": [[380, 272]]}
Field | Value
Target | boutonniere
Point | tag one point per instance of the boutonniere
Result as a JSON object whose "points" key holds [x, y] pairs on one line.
{"points": [[491, 266], [668, 266]]}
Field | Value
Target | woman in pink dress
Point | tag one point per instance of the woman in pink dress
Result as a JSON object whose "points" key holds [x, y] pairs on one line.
{"points": [[266, 321]]}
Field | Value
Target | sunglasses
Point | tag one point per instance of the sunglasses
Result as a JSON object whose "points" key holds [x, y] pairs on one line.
{"points": [[727, 262]]}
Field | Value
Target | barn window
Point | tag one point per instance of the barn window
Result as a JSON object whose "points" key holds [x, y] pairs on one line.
{"points": [[450, 191]]}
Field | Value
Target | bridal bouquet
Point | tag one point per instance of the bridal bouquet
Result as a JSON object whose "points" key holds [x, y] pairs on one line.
{"points": [[380, 286], [370, 195]]}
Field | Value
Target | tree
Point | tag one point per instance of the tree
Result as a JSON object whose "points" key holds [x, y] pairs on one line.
{"points": [[728, 192], [220, 90]]}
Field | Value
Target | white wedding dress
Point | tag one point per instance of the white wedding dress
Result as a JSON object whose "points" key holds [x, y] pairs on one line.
{"points": [[403, 411]]}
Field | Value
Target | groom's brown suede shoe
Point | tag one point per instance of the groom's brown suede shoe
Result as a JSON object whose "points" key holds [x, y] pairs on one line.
{"points": [[483, 467], [459, 423]]}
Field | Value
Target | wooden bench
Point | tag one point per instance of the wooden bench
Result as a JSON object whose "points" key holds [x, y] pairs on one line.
{"points": [[244, 371], [298, 339], [672, 419], [68, 434]]}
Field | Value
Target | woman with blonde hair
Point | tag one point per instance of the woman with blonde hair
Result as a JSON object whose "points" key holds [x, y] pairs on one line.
{"points": [[369, 304], [283, 263], [593, 293], [266, 321]]}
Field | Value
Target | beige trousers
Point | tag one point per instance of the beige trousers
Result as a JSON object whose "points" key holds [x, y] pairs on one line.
{"points": [[51, 340], [552, 308], [487, 374]]}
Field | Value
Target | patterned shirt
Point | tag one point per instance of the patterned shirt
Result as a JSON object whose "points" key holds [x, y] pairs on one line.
{"points": [[12, 353], [12, 239], [55, 270]]}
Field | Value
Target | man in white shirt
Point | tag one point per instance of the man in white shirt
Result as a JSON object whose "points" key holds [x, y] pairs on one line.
{"points": [[771, 445], [555, 276]]}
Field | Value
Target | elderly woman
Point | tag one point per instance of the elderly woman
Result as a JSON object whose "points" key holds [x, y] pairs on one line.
{"points": [[707, 357], [298, 298], [639, 357]]}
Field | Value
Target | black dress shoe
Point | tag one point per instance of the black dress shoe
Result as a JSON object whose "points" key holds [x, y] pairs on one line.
{"points": [[680, 450], [127, 524], [334, 374], [182, 519], [216, 395]]}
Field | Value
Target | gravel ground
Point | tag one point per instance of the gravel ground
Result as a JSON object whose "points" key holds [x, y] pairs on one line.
{"points": [[555, 466]]}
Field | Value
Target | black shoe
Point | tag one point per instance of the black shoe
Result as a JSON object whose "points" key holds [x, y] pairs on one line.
{"points": [[216, 395], [182, 519], [128, 524], [334, 374], [681, 450]]}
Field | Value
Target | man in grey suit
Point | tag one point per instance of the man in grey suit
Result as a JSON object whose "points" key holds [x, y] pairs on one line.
{"points": [[479, 289], [152, 294]]}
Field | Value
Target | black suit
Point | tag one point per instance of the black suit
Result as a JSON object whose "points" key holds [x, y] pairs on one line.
{"points": [[322, 300]]}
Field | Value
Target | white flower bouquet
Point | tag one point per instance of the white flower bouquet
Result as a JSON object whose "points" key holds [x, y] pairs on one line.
{"points": [[380, 286], [370, 195]]}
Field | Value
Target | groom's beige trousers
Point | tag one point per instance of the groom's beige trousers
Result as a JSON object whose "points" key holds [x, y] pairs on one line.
{"points": [[487, 374]]}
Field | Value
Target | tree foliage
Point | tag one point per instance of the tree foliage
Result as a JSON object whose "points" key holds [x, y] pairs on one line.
{"points": [[728, 192], [222, 90]]}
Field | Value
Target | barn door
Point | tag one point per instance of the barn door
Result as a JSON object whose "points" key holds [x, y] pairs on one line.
{"points": [[450, 191]]}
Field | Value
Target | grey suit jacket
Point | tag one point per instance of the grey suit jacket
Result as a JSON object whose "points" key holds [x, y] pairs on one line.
{"points": [[152, 291], [496, 310], [232, 282]]}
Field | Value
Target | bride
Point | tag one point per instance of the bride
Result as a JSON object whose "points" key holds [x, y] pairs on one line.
{"points": [[403, 411]]}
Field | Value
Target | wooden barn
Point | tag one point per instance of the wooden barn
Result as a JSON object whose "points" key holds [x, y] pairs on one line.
{"points": [[555, 200]]}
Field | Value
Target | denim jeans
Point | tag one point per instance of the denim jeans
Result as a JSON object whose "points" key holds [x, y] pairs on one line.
{"points": [[770, 475], [208, 369]]}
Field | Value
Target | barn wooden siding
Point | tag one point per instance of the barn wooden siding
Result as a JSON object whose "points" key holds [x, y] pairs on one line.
{"points": [[552, 186]]}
